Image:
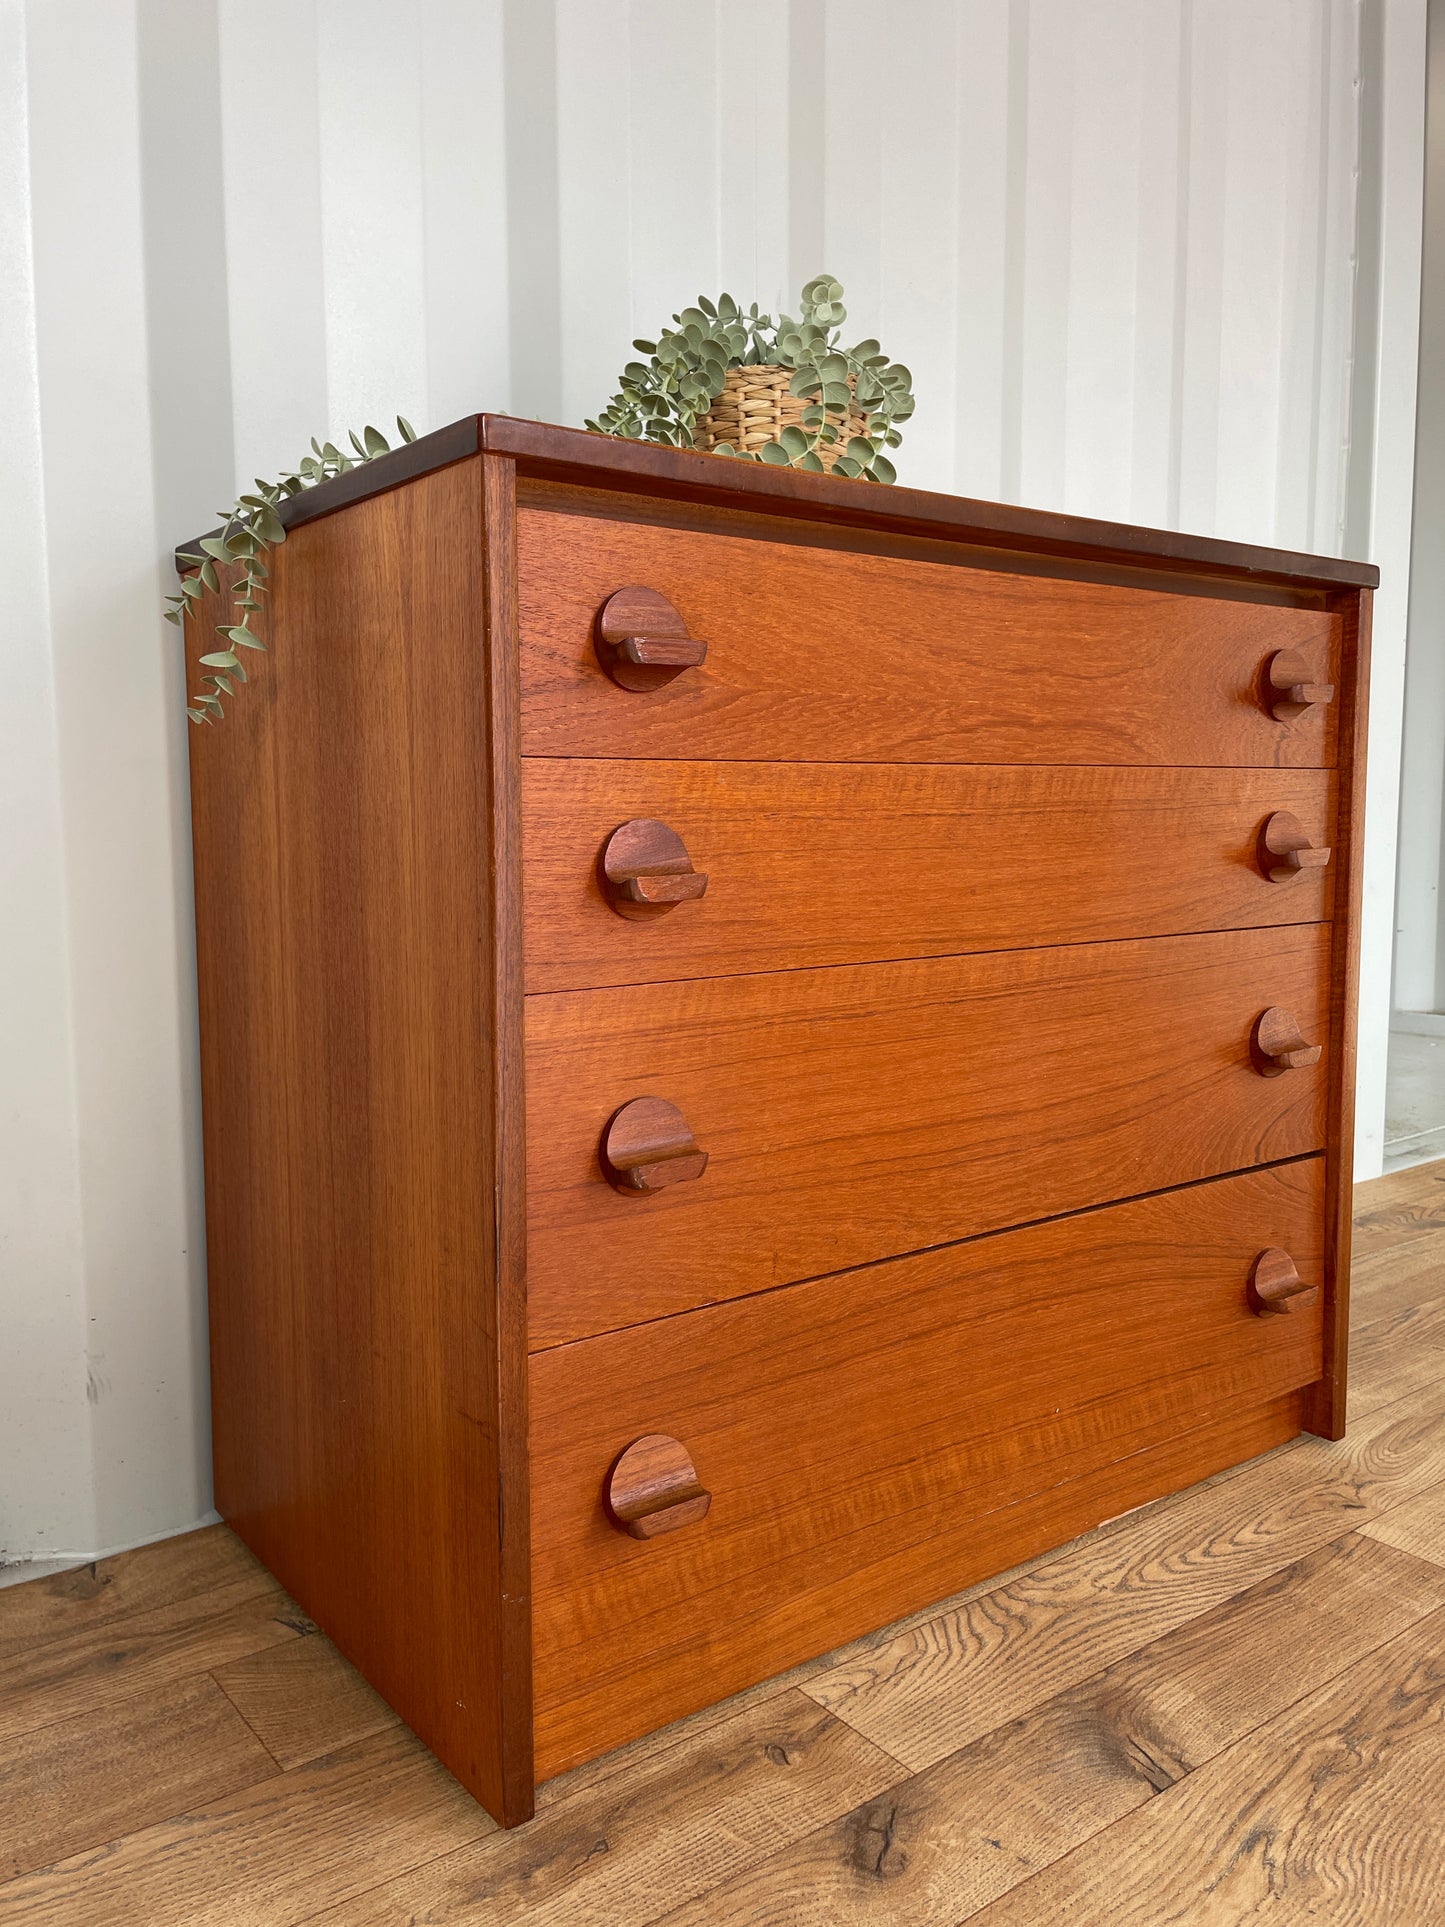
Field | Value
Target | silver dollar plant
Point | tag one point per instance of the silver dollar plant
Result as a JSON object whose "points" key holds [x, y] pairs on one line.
{"points": [[660, 399], [249, 529]]}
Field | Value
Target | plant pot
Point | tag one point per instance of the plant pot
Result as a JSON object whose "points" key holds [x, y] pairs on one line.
{"points": [[754, 408]]}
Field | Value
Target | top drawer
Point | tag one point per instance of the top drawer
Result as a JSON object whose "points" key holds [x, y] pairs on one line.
{"points": [[824, 654]]}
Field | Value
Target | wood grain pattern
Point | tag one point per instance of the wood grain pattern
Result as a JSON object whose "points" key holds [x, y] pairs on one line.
{"points": [[631, 1848], [106, 1590], [1300, 1820], [85, 1780], [853, 1114], [541, 449], [1042, 1743], [645, 871], [1418, 1526], [1012, 713], [1286, 852], [812, 864], [877, 659], [653, 1488], [354, 948], [571, 1731], [936, 1688], [1386, 1366], [271, 1856], [99, 1665], [302, 1700], [1327, 1416], [1020, 1362], [932, 1850], [1404, 1208]]}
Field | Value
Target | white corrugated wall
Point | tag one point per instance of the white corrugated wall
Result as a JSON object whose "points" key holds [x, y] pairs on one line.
{"points": [[1116, 240]]}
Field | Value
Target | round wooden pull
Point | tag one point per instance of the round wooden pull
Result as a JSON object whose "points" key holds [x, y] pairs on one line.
{"points": [[1288, 689], [642, 642], [1275, 1283], [1285, 851], [1277, 1045], [646, 870], [654, 1488], [649, 1145]]}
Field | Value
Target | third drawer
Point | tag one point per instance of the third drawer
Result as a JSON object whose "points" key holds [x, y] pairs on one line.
{"points": [[850, 1114], [824, 863]]}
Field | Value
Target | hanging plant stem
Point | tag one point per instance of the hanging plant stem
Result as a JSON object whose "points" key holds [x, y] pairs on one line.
{"points": [[250, 529]]}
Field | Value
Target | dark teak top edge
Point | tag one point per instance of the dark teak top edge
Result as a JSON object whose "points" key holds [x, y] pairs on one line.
{"points": [[573, 454]]}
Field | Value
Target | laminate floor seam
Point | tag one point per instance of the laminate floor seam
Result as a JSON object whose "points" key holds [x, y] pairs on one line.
{"points": [[265, 1584], [1078, 1690], [315, 1812], [240, 1712], [138, 1692], [1124, 1820]]}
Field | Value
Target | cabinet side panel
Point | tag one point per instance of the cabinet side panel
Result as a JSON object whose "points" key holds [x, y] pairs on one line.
{"points": [[344, 823], [1327, 1407]]}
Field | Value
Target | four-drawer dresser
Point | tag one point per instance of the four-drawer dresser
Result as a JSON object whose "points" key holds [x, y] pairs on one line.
{"points": [[771, 1047]]}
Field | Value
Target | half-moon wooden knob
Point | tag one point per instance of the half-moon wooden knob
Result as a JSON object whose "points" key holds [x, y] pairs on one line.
{"points": [[1277, 1045], [654, 1488], [1288, 688], [642, 642], [1285, 850], [649, 1145], [1275, 1283], [647, 871]]}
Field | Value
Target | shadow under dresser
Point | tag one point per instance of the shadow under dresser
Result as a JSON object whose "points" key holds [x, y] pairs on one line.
{"points": [[771, 1047]]}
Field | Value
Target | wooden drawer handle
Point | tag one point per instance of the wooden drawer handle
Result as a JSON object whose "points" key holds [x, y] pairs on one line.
{"points": [[1277, 1045], [649, 1145], [647, 871], [642, 642], [1289, 691], [1274, 1282], [654, 1488], [1285, 850]]}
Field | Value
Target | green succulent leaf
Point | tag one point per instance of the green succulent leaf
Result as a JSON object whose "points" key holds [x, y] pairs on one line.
{"points": [[249, 528], [663, 398]]}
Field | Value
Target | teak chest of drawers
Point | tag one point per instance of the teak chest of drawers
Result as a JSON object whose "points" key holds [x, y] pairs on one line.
{"points": [[771, 1047]]}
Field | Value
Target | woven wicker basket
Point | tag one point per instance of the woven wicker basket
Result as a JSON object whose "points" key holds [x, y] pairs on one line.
{"points": [[755, 407]]}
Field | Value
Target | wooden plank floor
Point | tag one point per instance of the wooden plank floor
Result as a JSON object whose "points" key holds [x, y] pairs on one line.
{"points": [[1227, 1706]]}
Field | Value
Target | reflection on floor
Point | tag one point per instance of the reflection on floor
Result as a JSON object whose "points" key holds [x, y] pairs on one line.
{"points": [[1414, 1100]]}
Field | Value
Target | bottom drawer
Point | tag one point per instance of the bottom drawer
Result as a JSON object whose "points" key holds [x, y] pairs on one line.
{"points": [[877, 1440]]}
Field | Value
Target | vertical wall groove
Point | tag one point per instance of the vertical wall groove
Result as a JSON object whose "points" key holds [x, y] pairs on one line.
{"points": [[1116, 239], [1016, 160]]}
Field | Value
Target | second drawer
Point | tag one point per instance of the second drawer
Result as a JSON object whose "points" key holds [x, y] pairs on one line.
{"points": [[854, 1113], [824, 863]]}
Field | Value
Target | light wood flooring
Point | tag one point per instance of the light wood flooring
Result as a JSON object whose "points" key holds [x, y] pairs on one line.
{"points": [[1227, 1706]]}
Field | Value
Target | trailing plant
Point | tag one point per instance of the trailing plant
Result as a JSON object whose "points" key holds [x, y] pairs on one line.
{"points": [[663, 398], [249, 530]]}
